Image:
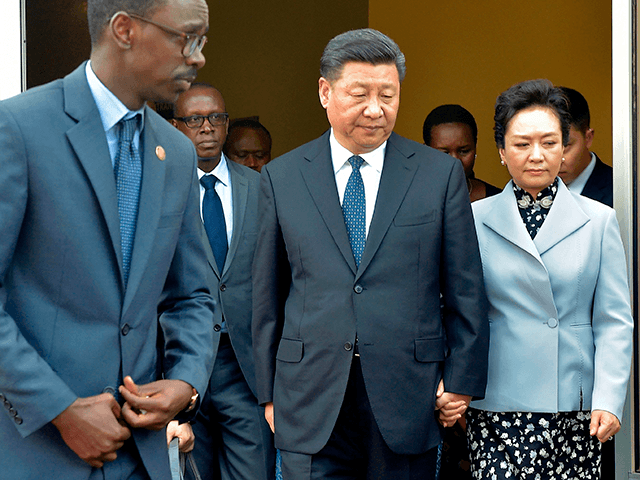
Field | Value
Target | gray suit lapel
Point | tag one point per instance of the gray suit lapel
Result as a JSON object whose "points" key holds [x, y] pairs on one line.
{"points": [[317, 172], [88, 140], [397, 174], [239, 192], [153, 171]]}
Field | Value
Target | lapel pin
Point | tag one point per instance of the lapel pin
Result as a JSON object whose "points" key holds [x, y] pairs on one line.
{"points": [[160, 153]]}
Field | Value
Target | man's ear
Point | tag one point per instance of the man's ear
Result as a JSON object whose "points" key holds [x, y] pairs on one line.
{"points": [[121, 29], [588, 136], [324, 91], [174, 122]]}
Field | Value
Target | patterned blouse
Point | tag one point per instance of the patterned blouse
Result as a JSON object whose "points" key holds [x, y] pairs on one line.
{"points": [[534, 212]]}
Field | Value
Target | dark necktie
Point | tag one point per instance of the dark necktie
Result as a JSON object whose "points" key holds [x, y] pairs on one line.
{"points": [[354, 209], [213, 216], [128, 171]]}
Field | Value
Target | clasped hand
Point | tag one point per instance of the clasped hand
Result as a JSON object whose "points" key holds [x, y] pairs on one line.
{"points": [[451, 406], [96, 427]]}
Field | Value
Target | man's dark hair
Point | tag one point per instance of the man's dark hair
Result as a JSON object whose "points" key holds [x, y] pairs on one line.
{"points": [[524, 95], [99, 12], [578, 109], [203, 85], [448, 114], [247, 123], [364, 45]]}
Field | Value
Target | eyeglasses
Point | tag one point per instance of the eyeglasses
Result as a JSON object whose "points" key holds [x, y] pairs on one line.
{"points": [[196, 121], [193, 42]]}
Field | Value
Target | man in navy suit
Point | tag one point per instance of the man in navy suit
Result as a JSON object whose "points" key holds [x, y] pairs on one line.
{"points": [[100, 234], [582, 171], [232, 435], [361, 231]]}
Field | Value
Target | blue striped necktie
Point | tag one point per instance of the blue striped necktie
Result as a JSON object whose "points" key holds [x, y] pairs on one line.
{"points": [[128, 171], [213, 217], [354, 209]]}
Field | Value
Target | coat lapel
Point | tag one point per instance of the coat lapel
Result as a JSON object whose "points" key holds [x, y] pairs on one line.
{"points": [[317, 172], [88, 140], [153, 171], [397, 174], [239, 192]]}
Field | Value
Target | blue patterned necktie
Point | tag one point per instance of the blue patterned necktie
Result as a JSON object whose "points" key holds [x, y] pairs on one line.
{"points": [[354, 209], [128, 171], [213, 216]]}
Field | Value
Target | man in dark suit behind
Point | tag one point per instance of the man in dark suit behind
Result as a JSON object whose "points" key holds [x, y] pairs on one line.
{"points": [[582, 171], [361, 230], [100, 233]]}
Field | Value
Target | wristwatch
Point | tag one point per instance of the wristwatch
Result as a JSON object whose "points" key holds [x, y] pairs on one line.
{"points": [[193, 402]]}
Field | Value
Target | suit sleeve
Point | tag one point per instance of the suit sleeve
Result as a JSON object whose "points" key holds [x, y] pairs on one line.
{"points": [[464, 297], [187, 307], [612, 324], [32, 392], [271, 281]]}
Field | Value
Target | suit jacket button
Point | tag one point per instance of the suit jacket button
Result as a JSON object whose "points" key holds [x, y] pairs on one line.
{"points": [[223, 287], [358, 289], [7, 404], [217, 328], [125, 329], [110, 390], [348, 346], [2, 398], [18, 419], [553, 323], [13, 412]]}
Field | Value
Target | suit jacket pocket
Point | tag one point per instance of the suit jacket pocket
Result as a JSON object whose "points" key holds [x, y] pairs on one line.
{"points": [[290, 350], [429, 349], [412, 220], [172, 220]]}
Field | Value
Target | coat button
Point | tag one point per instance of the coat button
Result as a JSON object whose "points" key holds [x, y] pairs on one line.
{"points": [[12, 412], [125, 329], [348, 346], [7, 404], [2, 398], [110, 390], [217, 328], [223, 287], [18, 419], [358, 289], [553, 323]]}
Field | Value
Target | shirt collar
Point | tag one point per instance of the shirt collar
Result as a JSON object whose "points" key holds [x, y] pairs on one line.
{"points": [[111, 109], [340, 155], [221, 171], [581, 180]]}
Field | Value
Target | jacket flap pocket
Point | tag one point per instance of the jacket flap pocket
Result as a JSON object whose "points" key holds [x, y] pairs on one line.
{"points": [[429, 349], [290, 350], [409, 220]]}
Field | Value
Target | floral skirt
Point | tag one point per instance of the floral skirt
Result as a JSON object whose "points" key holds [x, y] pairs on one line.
{"points": [[532, 446]]}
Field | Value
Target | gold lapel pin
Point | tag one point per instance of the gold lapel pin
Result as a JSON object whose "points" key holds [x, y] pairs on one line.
{"points": [[160, 153]]}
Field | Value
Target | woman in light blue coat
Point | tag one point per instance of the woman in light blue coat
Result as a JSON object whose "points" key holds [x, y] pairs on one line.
{"points": [[560, 318]]}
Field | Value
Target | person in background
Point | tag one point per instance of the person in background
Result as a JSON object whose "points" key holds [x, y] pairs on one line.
{"points": [[561, 326], [106, 320], [582, 171], [233, 439], [453, 130], [248, 143]]}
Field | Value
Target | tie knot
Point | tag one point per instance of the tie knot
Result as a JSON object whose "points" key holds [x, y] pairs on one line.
{"points": [[128, 128], [208, 181], [356, 162]]}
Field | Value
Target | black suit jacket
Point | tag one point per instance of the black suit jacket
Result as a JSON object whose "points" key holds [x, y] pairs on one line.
{"points": [[310, 300], [600, 183]]}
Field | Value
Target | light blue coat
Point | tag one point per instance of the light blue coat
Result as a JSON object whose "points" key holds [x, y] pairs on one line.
{"points": [[560, 317]]}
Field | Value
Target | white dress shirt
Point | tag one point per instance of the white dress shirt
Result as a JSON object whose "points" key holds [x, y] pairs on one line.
{"points": [[223, 189], [371, 171], [112, 110], [581, 180]]}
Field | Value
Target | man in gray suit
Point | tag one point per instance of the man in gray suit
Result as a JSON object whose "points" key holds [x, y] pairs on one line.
{"points": [[361, 231], [232, 435], [100, 233]]}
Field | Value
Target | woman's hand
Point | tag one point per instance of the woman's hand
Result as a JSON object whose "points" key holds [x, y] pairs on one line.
{"points": [[604, 425], [185, 435]]}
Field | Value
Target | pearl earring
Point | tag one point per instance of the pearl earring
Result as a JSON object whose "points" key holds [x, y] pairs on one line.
{"points": [[563, 159], [502, 162]]}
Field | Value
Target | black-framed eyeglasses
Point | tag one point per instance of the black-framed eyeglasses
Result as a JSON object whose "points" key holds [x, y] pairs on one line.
{"points": [[196, 121], [192, 43]]}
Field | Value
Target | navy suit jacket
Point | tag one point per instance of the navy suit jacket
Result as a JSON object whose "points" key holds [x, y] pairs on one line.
{"points": [[68, 327], [310, 300], [600, 183]]}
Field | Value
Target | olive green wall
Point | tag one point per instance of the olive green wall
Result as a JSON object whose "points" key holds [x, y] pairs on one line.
{"points": [[468, 51], [265, 57]]}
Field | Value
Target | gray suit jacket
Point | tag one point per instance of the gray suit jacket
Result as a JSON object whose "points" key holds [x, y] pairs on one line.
{"points": [[310, 300], [68, 328], [233, 285], [560, 315]]}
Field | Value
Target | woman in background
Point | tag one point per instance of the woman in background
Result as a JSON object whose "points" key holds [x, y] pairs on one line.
{"points": [[453, 130], [561, 328]]}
